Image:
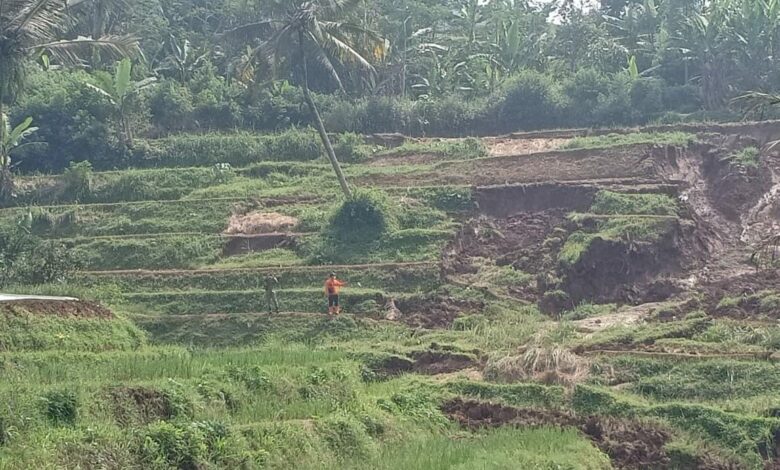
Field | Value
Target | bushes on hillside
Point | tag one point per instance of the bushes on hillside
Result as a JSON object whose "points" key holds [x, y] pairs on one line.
{"points": [[74, 122], [529, 101], [28, 260], [365, 217]]}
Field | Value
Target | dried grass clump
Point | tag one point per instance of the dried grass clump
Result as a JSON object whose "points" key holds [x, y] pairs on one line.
{"points": [[541, 364], [260, 222]]}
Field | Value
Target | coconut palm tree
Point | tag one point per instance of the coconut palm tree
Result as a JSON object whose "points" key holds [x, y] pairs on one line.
{"points": [[304, 31], [33, 28]]}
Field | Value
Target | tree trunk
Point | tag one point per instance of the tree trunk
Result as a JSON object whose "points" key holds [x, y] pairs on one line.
{"points": [[318, 121], [6, 178]]}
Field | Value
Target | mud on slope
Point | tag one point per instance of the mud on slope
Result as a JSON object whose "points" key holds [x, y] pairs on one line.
{"points": [[434, 312], [630, 445], [58, 308], [527, 242]]}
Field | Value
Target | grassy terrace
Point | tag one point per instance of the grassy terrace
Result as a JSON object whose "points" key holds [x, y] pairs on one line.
{"points": [[191, 370]]}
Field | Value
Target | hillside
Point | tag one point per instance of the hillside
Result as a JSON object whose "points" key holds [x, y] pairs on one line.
{"points": [[569, 299]]}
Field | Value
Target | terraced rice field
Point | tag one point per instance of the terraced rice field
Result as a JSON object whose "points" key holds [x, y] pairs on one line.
{"points": [[557, 300]]}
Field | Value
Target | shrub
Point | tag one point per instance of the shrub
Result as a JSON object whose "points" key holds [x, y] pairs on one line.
{"points": [[748, 157], [585, 93], [530, 101], [350, 148], [171, 106], [168, 445], [77, 181], [365, 217], [294, 145], [26, 259], [346, 436], [60, 407]]}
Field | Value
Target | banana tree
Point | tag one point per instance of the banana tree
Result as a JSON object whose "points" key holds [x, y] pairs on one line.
{"points": [[11, 139], [119, 90]]}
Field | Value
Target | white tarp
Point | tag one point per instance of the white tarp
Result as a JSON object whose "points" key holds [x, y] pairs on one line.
{"points": [[15, 297]]}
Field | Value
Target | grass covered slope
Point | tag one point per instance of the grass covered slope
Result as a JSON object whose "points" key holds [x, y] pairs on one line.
{"points": [[445, 356]]}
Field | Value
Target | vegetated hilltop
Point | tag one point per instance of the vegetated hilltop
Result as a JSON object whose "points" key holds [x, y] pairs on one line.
{"points": [[572, 299]]}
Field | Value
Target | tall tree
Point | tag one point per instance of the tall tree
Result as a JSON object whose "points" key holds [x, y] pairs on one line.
{"points": [[305, 31]]}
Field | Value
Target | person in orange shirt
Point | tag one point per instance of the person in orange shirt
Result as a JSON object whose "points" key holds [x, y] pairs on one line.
{"points": [[332, 288]]}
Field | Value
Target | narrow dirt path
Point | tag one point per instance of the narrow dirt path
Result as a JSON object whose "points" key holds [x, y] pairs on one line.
{"points": [[180, 272]]}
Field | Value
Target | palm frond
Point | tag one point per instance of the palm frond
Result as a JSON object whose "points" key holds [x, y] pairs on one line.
{"points": [[68, 51], [250, 31], [320, 55], [39, 20]]}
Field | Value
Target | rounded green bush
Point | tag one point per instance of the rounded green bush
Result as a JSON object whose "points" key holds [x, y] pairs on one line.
{"points": [[366, 216]]}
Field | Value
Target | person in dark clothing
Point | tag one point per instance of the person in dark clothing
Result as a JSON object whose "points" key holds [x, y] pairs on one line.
{"points": [[270, 293]]}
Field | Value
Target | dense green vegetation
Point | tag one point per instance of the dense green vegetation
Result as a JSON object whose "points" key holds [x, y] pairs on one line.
{"points": [[433, 67]]}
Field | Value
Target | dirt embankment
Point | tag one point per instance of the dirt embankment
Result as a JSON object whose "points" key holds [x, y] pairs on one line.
{"points": [[57, 308], [434, 312], [427, 362], [630, 271], [504, 201], [630, 445], [725, 207]]}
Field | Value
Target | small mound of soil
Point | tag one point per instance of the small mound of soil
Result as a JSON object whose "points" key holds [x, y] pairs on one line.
{"points": [[500, 146], [439, 362], [630, 445], [437, 312], [57, 308], [140, 404], [474, 414], [259, 222], [422, 362]]}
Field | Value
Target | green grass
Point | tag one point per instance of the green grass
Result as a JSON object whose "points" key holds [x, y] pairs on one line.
{"points": [[680, 139], [277, 257], [542, 448], [616, 229], [610, 203], [748, 157], [456, 149], [23, 330], [413, 278], [306, 300], [172, 252]]}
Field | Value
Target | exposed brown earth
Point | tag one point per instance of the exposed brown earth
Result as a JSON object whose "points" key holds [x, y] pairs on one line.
{"points": [[629, 444], [436, 312], [58, 308]]}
